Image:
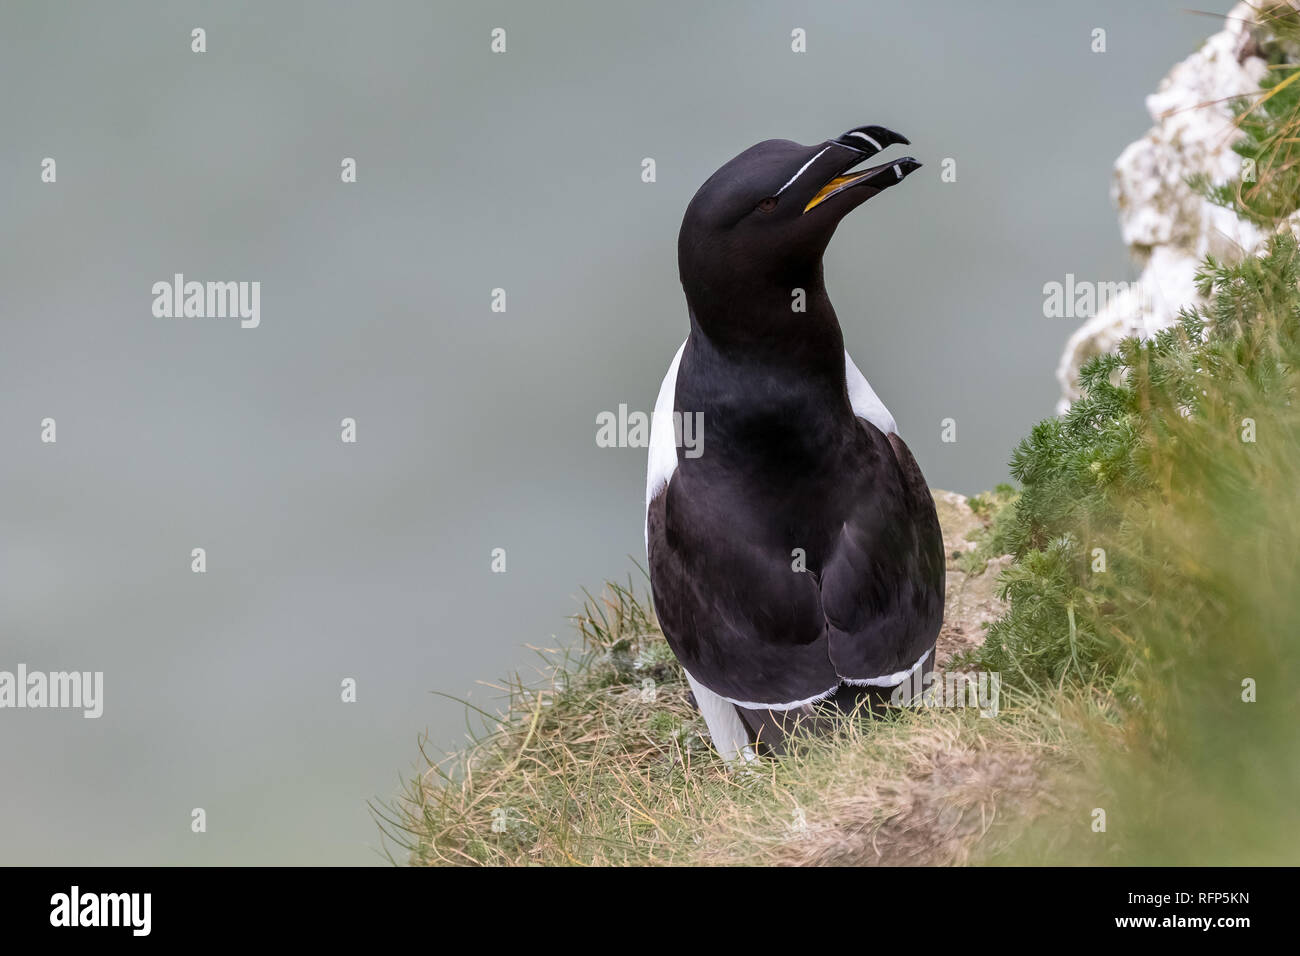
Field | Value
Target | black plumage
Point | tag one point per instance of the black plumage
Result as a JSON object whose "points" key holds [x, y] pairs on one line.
{"points": [[800, 552]]}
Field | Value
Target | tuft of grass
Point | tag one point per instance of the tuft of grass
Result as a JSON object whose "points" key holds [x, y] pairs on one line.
{"points": [[996, 509], [591, 765]]}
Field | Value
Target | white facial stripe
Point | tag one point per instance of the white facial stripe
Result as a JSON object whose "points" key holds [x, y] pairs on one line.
{"points": [[801, 170], [867, 138], [898, 172]]}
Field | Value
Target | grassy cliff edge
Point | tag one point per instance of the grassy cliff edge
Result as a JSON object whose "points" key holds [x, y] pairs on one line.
{"points": [[605, 760]]}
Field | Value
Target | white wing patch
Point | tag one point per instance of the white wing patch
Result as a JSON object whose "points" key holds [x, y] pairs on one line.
{"points": [[863, 399], [663, 440]]}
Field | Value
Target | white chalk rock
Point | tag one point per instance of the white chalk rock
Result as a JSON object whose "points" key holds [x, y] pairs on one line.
{"points": [[1168, 227]]}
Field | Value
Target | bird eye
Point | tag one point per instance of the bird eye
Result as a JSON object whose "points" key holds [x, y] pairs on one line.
{"points": [[766, 205]]}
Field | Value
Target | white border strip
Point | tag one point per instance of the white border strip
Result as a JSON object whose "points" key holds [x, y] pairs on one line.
{"points": [[749, 705], [889, 680]]}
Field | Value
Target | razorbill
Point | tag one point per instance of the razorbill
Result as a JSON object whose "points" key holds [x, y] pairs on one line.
{"points": [[798, 559]]}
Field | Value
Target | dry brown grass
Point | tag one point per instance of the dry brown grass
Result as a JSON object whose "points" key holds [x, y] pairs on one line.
{"points": [[927, 787]]}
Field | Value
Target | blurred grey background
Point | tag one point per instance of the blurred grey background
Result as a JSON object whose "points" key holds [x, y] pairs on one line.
{"points": [[476, 429]]}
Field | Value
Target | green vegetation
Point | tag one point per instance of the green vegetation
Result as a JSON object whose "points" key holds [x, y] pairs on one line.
{"points": [[1155, 548], [1156, 563], [1271, 192]]}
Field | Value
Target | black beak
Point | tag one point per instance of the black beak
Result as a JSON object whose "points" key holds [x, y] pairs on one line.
{"points": [[844, 152], [871, 139]]}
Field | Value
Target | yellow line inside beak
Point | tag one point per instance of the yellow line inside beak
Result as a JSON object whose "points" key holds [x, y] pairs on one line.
{"points": [[830, 187]]}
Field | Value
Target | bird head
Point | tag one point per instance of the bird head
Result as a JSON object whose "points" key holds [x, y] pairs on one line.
{"points": [[763, 220]]}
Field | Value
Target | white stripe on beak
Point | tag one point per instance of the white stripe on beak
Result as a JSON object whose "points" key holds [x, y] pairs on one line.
{"points": [[801, 170], [867, 138]]}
